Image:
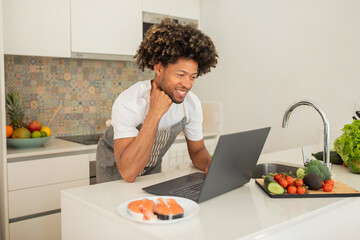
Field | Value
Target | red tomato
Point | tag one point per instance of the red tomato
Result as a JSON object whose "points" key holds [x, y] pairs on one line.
{"points": [[301, 190], [283, 182], [331, 182], [327, 187], [277, 177], [290, 180], [291, 189], [298, 182], [344, 164]]}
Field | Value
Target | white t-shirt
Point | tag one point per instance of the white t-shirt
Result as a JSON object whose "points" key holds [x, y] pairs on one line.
{"points": [[129, 109]]}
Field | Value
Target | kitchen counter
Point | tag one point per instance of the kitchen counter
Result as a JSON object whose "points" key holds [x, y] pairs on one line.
{"points": [[53, 146], [90, 212], [59, 146]]}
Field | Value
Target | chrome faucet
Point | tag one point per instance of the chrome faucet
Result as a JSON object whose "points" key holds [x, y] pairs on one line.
{"points": [[286, 117]]}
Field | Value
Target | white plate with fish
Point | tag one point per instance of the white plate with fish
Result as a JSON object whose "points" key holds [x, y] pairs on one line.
{"points": [[190, 209]]}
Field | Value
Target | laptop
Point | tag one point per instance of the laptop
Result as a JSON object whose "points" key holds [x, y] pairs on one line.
{"points": [[232, 165]]}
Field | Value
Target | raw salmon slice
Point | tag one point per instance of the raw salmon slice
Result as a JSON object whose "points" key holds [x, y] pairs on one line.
{"points": [[142, 209], [168, 209]]}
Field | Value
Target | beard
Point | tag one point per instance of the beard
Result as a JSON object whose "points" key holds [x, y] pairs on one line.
{"points": [[163, 86], [171, 95]]}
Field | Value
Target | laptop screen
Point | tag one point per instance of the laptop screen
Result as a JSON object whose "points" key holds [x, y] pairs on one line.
{"points": [[232, 165]]}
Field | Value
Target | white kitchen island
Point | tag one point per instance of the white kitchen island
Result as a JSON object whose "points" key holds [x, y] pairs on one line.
{"points": [[90, 212]]}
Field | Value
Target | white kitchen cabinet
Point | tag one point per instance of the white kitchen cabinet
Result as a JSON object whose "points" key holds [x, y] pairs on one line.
{"points": [[40, 228], [184, 9], [51, 170], [106, 27], [34, 186], [41, 199], [37, 27]]}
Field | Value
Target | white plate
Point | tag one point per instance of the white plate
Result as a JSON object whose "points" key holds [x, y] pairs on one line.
{"points": [[190, 207]]}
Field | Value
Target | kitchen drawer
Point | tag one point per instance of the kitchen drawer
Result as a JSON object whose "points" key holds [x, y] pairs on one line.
{"points": [[39, 199], [40, 228], [34, 173]]}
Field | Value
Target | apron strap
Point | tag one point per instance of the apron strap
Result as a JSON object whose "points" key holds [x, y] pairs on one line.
{"points": [[183, 108]]}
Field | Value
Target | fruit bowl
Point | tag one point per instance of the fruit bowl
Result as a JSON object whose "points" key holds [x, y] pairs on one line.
{"points": [[27, 142]]}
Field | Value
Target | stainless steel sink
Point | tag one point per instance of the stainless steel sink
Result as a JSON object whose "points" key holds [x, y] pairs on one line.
{"points": [[265, 168]]}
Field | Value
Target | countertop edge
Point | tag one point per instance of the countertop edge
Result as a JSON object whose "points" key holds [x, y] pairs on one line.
{"points": [[54, 146]]}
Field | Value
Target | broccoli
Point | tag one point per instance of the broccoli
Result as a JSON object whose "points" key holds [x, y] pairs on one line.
{"points": [[317, 168]]}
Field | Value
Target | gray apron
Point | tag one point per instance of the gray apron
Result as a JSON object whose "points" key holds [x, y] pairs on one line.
{"points": [[106, 169]]}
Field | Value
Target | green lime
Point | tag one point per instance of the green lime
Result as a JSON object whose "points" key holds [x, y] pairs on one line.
{"points": [[35, 134], [43, 134]]}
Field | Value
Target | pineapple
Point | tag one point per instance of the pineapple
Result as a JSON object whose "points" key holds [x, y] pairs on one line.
{"points": [[15, 109]]}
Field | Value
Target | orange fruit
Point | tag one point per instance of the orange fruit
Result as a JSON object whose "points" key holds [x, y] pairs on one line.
{"points": [[9, 131], [47, 130]]}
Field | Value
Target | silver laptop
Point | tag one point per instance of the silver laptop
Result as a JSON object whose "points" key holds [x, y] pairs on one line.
{"points": [[232, 165]]}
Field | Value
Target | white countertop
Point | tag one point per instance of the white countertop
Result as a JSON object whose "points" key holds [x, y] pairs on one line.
{"points": [[53, 146], [59, 146], [244, 213]]}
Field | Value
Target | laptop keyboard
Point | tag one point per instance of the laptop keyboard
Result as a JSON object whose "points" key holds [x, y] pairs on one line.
{"points": [[191, 192]]}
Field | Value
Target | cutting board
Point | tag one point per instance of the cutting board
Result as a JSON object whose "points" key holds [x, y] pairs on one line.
{"points": [[340, 190]]}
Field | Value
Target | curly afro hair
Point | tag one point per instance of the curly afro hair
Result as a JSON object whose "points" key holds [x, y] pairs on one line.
{"points": [[168, 41]]}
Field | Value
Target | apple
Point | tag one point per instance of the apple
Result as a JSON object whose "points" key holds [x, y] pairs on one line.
{"points": [[34, 126]]}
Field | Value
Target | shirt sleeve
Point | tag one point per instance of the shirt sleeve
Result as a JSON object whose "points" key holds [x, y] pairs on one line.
{"points": [[124, 119], [193, 127]]}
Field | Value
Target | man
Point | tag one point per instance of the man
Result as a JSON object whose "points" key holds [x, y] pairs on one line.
{"points": [[147, 117]]}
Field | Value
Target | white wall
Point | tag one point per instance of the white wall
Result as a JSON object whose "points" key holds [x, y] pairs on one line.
{"points": [[273, 53]]}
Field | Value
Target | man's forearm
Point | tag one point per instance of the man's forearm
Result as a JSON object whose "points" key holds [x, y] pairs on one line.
{"points": [[136, 155], [201, 159]]}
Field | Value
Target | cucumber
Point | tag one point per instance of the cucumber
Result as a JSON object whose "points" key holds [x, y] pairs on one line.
{"points": [[273, 186], [334, 157]]}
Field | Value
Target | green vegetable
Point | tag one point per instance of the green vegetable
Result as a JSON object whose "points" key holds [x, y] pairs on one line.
{"points": [[314, 182], [316, 167], [348, 144], [354, 165], [334, 157], [300, 173], [273, 186]]}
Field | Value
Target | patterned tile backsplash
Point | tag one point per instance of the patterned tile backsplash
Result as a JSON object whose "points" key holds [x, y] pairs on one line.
{"points": [[85, 89]]}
